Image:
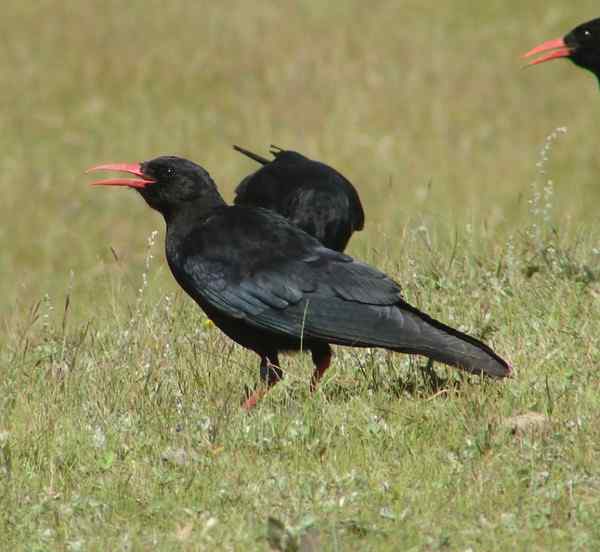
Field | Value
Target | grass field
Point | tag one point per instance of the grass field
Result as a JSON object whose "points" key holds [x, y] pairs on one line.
{"points": [[120, 426]]}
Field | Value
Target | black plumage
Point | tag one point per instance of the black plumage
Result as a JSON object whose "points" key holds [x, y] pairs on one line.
{"points": [[272, 287], [312, 195]]}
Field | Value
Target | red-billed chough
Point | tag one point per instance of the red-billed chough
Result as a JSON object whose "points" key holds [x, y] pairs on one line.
{"points": [[271, 287], [312, 195], [581, 46]]}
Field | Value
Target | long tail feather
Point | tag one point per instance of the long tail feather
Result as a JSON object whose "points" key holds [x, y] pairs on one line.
{"points": [[275, 150], [433, 339], [253, 156]]}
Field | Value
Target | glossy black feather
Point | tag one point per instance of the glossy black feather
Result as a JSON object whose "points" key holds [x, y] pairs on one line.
{"points": [[312, 195]]}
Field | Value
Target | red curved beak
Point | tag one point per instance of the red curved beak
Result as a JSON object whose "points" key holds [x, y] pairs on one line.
{"points": [[556, 48], [131, 168]]}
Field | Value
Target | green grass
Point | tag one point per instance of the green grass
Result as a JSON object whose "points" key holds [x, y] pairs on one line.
{"points": [[120, 426]]}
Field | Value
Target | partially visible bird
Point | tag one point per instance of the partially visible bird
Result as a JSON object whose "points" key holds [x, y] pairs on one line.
{"points": [[312, 195], [581, 46], [271, 287]]}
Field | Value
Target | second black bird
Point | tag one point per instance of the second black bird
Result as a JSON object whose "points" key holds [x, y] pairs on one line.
{"points": [[312, 195]]}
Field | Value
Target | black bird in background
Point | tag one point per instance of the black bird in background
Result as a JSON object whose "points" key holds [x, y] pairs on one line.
{"points": [[581, 46], [312, 195], [271, 287]]}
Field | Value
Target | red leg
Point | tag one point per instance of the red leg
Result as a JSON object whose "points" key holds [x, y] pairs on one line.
{"points": [[270, 374], [322, 360], [254, 398]]}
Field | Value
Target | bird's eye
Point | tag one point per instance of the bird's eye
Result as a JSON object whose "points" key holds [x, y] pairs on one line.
{"points": [[587, 33], [170, 171]]}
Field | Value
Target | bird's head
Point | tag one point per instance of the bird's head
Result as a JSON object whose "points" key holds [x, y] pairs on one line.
{"points": [[167, 183], [581, 46]]}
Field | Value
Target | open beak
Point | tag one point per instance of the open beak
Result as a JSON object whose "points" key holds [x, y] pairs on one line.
{"points": [[556, 49], [131, 168]]}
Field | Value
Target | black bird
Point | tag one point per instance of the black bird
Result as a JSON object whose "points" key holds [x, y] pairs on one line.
{"points": [[581, 46], [312, 195], [272, 287]]}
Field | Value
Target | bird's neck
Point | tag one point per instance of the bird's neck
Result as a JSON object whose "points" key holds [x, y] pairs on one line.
{"points": [[186, 219], [185, 214], [592, 67], [594, 71]]}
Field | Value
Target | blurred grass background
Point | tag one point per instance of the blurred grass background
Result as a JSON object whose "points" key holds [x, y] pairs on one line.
{"points": [[119, 414], [425, 108]]}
